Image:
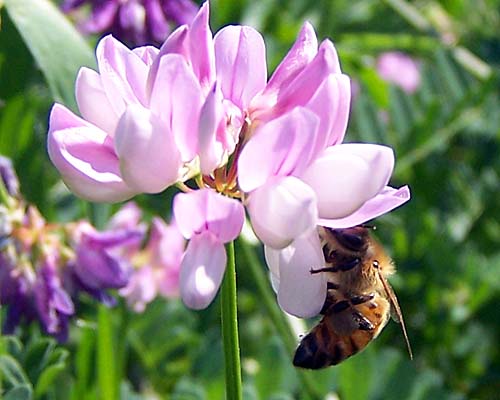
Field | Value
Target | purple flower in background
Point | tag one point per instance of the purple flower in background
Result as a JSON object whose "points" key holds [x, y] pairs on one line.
{"points": [[16, 283], [102, 259], [52, 302], [399, 69], [8, 176], [136, 22]]}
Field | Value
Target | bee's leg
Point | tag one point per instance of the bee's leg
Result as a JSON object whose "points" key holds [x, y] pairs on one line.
{"points": [[360, 299], [363, 323], [342, 267]]}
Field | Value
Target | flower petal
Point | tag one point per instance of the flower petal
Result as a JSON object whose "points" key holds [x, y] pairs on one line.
{"points": [[202, 270], [280, 147], [205, 210], [282, 210], [387, 200], [149, 160], [240, 57], [176, 43], [301, 293], [356, 173], [210, 151], [299, 91], [331, 104], [177, 98], [201, 48], [93, 102], [300, 55], [85, 158], [123, 74]]}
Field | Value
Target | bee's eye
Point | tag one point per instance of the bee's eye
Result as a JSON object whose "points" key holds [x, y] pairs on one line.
{"points": [[376, 264], [350, 238]]}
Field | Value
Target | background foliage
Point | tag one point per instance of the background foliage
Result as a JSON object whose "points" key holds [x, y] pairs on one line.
{"points": [[445, 241]]}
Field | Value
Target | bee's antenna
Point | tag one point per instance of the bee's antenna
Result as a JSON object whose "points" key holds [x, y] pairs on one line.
{"points": [[394, 302]]}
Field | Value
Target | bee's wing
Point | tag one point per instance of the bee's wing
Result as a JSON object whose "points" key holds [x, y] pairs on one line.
{"points": [[395, 309]]}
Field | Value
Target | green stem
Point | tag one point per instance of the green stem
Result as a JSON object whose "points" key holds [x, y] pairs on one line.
{"points": [[105, 355], [229, 322], [279, 319]]}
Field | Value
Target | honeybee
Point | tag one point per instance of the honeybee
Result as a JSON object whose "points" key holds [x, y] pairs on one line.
{"points": [[359, 300]]}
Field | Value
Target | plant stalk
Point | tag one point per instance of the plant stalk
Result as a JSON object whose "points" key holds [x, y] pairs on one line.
{"points": [[229, 322]]}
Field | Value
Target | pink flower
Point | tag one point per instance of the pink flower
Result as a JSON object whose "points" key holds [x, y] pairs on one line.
{"points": [[140, 112], [157, 266], [208, 220], [400, 69], [202, 107]]}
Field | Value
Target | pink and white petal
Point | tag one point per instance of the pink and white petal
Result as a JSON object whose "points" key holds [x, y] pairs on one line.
{"points": [[280, 147], [93, 102], [272, 257], [300, 55], [325, 103], [206, 210], [331, 103], [299, 91], [176, 43], [225, 217], [282, 210], [85, 158], [202, 270], [240, 59], [387, 200], [341, 117], [301, 293], [210, 151], [201, 48], [123, 74], [177, 98], [149, 160], [355, 173], [147, 54]]}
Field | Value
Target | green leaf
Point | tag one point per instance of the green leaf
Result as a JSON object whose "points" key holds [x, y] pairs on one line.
{"points": [[55, 44], [47, 378], [22, 392], [12, 371]]}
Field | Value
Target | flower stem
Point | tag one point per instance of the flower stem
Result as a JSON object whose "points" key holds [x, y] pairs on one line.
{"points": [[105, 355], [229, 322], [276, 315]]}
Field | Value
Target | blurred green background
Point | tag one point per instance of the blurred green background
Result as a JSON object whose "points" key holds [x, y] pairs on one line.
{"points": [[445, 241]]}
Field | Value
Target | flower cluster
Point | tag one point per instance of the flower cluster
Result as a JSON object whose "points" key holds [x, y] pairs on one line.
{"points": [[136, 22], [45, 267], [201, 109]]}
